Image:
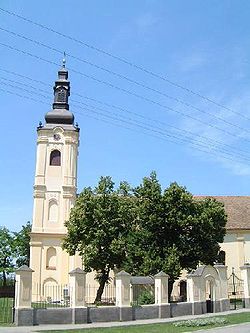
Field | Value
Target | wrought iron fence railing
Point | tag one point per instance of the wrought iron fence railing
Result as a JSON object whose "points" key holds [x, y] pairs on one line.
{"points": [[108, 295], [50, 296]]}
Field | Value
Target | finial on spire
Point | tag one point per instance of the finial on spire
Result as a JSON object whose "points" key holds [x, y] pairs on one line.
{"points": [[64, 59]]}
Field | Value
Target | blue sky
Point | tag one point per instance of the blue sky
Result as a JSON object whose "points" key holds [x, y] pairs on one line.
{"points": [[200, 45]]}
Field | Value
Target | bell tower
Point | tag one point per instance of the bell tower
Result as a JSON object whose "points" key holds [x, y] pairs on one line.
{"points": [[54, 188]]}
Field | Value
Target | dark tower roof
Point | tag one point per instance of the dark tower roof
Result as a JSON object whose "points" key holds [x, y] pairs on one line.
{"points": [[60, 113]]}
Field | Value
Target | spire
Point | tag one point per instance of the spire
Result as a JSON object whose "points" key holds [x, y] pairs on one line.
{"points": [[64, 59], [60, 113]]}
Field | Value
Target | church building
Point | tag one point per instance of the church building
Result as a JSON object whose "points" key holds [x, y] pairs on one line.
{"points": [[55, 193]]}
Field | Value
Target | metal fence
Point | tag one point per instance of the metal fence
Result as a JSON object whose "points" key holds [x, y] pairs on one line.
{"points": [[50, 296], [7, 301], [142, 294], [108, 296], [58, 296], [235, 291]]}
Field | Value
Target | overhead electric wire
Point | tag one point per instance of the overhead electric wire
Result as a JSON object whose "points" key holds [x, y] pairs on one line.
{"points": [[123, 60], [165, 107], [116, 107], [127, 79], [130, 121]]}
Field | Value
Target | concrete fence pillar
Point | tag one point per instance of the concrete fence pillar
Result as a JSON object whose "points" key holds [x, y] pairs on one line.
{"points": [[23, 296], [77, 282], [123, 289], [222, 288], [161, 294], [196, 292], [23, 289], [222, 272], [194, 289], [77, 285], [161, 288], [245, 274]]}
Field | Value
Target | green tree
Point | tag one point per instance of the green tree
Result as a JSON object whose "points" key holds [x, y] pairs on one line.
{"points": [[22, 245], [173, 230], [6, 253], [98, 227]]}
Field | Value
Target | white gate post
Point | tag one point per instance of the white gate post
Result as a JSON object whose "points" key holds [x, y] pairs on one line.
{"points": [[161, 288], [245, 274], [223, 287], [23, 296], [77, 281], [23, 287], [123, 289], [77, 284], [161, 294]]}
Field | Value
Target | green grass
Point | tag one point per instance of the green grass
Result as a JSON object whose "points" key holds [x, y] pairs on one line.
{"points": [[6, 305], [159, 328]]}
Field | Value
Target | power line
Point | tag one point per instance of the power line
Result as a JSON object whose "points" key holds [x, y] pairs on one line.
{"points": [[119, 108], [158, 130], [123, 60], [165, 107], [130, 122], [127, 79]]}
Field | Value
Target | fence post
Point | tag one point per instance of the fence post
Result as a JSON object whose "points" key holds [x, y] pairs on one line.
{"points": [[245, 274], [23, 295], [122, 290], [161, 288], [77, 283], [196, 292], [223, 288], [161, 294]]}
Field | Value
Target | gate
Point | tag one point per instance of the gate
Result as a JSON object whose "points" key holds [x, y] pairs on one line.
{"points": [[7, 302], [235, 291]]}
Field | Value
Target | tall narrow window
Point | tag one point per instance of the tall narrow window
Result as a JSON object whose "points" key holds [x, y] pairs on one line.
{"points": [[51, 258], [55, 158], [53, 211]]}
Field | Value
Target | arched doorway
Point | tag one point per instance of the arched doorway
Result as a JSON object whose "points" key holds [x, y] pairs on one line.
{"points": [[210, 296]]}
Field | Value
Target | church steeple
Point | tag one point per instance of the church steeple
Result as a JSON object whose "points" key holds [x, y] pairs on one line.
{"points": [[60, 113]]}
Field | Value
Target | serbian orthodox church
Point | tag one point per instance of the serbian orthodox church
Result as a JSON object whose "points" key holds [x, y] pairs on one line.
{"points": [[55, 193]]}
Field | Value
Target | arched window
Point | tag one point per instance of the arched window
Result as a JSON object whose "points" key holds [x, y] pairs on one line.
{"points": [[53, 211], [51, 258], [55, 158], [222, 257]]}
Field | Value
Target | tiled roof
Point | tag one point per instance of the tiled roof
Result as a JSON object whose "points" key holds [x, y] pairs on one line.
{"points": [[237, 209]]}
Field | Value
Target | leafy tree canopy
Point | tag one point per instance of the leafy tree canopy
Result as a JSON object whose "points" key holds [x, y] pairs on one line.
{"points": [[98, 227], [6, 253], [14, 250], [173, 230], [22, 245], [144, 230]]}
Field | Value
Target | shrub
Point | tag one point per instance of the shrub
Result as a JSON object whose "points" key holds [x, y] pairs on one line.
{"points": [[201, 322], [146, 297]]}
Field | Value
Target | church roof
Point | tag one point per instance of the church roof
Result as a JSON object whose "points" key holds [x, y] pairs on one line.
{"points": [[237, 209]]}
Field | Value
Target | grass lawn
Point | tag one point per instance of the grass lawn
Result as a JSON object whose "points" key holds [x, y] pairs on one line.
{"points": [[160, 328]]}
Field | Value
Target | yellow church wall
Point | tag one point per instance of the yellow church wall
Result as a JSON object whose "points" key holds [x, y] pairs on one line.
{"points": [[237, 248]]}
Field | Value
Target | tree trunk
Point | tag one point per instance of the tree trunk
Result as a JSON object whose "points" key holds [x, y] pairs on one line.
{"points": [[170, 288], [102, 281], [4, 279]]}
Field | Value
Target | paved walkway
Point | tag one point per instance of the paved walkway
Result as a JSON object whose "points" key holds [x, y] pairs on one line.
{"points": [[242, 328]]}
